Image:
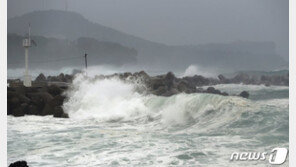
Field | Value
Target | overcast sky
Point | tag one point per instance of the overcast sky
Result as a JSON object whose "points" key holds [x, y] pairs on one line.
{"points": [[180, 22]]}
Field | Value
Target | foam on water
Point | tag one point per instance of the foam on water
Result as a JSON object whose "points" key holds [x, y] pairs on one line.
{"points": [[111, 124]]}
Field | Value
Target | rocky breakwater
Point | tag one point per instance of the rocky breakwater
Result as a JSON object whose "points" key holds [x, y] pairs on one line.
{"points": [[267, 80], [41, 101], [168, 84], [47, 98]]}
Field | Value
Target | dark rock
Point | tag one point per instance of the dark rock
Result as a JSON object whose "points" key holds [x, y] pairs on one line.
{"points": [[50, 106], [12, 104], [58, 100], [171, 92], [155, 83], [48, 110], [126, 75], [213, 90], [25, 107], [241, 78], [40, 99], [68, 78], [40, 78], [18, 112], [59, 112], [19, 164], [184, 86], [61, 78], [244, 94], [197, 80], [141, 76], [170, 80], [223, 79], [54, 90], [32, 110], [224, 94], [160, 90]]}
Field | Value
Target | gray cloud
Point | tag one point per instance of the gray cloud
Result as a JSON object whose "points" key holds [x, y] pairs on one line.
{"points": [[177, 22]]}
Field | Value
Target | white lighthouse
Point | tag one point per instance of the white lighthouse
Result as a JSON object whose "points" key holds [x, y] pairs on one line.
{"points": [[27, 45]]}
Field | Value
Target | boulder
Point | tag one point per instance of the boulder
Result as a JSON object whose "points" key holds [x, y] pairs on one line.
{"points": [[170, 80], [184, 86], [197, 80], [171, 92], [12, 104], [25, 107], [155, 83], [18, 112], [223, 79], [59, 112], [241, 78], [54, 90], [68, 78], [142, 76], [224, 94], [61, 78], [49, 108], [41, 78], [32, 110], [160, 90], [213, 90], [244, 94], [19, 164], [40, 99]]}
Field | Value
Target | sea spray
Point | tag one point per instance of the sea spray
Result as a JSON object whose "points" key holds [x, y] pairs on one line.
{"points": [[103, 99], [111, 99], [147, 130]]}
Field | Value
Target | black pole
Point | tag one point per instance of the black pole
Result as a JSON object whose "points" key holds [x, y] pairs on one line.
{"points": [[85, 58]]}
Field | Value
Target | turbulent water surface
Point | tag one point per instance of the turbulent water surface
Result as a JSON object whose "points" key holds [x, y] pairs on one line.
{"points": [[111, 124]]}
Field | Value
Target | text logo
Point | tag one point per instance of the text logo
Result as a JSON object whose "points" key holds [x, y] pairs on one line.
{"points": [[276, 157]]}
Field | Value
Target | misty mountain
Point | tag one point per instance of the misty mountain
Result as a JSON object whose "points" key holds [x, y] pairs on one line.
{"points": [[239, 55], [53, 52]]}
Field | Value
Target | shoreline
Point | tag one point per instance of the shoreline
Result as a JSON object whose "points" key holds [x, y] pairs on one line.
{"points": [[47, 95]]}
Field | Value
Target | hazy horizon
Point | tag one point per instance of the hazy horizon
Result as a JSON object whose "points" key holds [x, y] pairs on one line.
{"points": [[179, 23]]}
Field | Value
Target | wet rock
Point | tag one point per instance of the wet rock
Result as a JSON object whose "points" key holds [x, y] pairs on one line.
{"points": [[41, 78], [171, 92], [59, 112], [244, 94], [40, 99], [241, 78], [68, 78], [32, 110], [224, 94], [197, 80], [50, 105], [19, 164], [160, 90], [155, 83], [12, 104], [54, 90], [213, 90], [18, 112], [25, 107], [170, 80], [184, 86], [223, 79], [61, 78]]}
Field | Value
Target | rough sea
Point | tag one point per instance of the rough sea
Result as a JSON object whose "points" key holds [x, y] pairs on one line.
{"points": [[111, 124]]}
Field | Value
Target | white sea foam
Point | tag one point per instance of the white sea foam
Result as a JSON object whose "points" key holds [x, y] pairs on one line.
{"points": [[115, 100], [111, 124]]}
